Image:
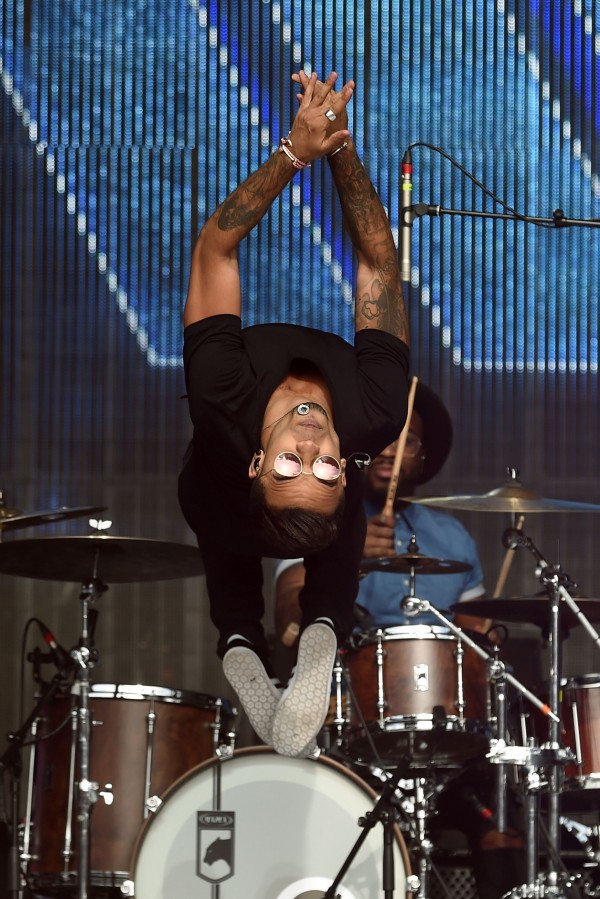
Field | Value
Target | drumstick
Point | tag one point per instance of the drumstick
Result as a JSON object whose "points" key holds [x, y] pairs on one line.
{"points": [[508, 560], [388, 509]]}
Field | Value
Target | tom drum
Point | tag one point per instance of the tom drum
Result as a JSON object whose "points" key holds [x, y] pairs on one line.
{"points": [[416, 693], [143, 739]]}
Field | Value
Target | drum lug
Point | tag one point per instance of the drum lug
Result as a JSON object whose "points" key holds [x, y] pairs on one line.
{"points": [[127, 888], [153, 803], [107, 794], [412, 883], [91, 788], [224, 752]]}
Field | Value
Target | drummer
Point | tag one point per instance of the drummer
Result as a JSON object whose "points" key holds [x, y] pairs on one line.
{"points": [[437, 534]]}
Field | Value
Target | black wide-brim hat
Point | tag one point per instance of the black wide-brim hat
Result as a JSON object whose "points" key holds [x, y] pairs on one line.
{"points": [[437, 431]]}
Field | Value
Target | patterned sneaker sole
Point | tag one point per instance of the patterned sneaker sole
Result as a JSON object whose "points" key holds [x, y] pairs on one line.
{"points": [[257, 693], [304, 705]]}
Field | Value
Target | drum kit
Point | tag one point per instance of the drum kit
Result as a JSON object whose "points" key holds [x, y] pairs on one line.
{"points": [[183, 813]]}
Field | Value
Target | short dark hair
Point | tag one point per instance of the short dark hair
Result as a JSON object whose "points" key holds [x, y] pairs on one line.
{"points": [[293, 531]]}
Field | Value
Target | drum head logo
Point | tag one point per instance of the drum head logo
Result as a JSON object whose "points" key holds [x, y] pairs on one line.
{"points": [[215, 846]]}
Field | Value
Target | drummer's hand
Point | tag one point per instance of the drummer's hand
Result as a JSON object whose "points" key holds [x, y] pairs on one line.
{"points": [[380, 539]]}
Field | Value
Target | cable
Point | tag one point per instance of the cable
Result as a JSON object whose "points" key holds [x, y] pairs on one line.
{"points": [[518, 215]]}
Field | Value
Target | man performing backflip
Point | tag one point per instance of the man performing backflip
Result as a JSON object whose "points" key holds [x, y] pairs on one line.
{"points": [[281, 415]]}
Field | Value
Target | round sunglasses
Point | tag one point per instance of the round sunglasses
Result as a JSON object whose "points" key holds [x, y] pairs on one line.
{"points": [[324, 468]]}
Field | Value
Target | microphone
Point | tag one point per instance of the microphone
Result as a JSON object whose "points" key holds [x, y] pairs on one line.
{"points": [[469, 796], [59, 654], [406, 217]]}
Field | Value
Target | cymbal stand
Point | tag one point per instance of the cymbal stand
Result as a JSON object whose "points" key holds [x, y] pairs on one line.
{"points": [[496, 671], [534, 761], [85, 656], [554, 580]]}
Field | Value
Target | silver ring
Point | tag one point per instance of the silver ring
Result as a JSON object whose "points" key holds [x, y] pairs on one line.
{"points": [[331, 115]]}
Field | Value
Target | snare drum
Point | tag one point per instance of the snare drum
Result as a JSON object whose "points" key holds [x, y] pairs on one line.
{"points": [[263, 825], [143, 739], [415, 695]]}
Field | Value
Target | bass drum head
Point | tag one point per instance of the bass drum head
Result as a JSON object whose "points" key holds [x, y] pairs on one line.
{"points": [[282, 830]]}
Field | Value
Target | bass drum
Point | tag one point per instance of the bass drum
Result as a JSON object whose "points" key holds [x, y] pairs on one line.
{"points": [[263, 825]]}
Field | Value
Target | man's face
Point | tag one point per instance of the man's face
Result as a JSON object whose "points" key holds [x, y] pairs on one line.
{"points": [[309, 436], [379, 472]]}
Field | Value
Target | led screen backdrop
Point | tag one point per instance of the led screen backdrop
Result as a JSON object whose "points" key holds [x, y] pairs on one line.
{"points": [[124, 123]]}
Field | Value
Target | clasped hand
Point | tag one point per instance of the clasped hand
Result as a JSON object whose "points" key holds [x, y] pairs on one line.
{"points": [[313, 134]]}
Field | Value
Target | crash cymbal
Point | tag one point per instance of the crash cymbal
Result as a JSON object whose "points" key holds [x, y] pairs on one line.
{"points": [[531, 609], [114, 560], [31, 519], [512, 497], [413, 562]]}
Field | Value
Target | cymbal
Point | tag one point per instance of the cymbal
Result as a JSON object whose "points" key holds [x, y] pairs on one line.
{"points": [[114, 560], [511, 497], [31, 519], [413, 562], [531, 609], [7, 512]]}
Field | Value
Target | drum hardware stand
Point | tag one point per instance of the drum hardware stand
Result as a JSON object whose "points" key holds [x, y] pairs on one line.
{"points": [[534, 760], [384, 813], [554, 581], [422, 838], [85, 656], [497, 675], [11, 761]]}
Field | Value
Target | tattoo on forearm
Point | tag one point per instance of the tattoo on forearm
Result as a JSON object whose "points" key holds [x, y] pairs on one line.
{"points": [[380, 305], [362, 207], [245, 207]]}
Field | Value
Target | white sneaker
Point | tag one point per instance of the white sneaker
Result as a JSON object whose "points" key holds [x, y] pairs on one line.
{"points": [[256, 691], [303, 708]]}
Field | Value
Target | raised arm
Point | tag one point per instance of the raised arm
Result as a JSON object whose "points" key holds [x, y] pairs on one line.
{"points": [[214, 286], [379, 297]]}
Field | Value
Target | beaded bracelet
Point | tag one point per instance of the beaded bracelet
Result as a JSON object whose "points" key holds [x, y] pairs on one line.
{"points": [[284, 147]]}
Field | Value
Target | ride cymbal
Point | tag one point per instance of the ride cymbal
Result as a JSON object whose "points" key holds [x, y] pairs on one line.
{"points": [[511, 497], [409, 562], [114, 560], [31, 519]]}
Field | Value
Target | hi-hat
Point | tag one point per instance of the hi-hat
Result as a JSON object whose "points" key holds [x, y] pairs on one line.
{"points": [[530, 609], [511, 497], [114, 560], [20, 519], [412, 562]]}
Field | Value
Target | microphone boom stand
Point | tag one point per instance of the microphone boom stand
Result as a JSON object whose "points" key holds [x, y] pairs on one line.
{"points": [[382, 811]]}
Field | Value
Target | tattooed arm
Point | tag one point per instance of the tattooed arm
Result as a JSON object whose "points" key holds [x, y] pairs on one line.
{"points": [[379, 298], [214, 286]]}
